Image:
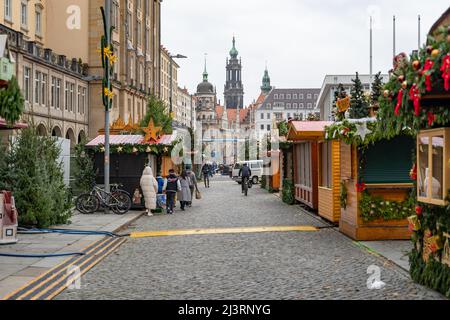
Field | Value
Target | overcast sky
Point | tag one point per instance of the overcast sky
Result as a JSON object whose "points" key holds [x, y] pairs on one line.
{"points": [[301, 40]]}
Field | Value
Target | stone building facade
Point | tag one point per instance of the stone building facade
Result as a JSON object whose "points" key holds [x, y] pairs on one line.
{"points": [[137, 41], [165, 79], [55, 88]]}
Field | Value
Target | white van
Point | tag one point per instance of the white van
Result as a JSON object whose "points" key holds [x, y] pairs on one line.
{"points": [[256, 166]]}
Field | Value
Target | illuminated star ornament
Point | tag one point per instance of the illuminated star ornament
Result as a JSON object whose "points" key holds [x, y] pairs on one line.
{"points": [[362, 130]]}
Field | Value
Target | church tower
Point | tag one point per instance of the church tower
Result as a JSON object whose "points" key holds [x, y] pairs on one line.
{"points": [[234, 90], [266, 87]]}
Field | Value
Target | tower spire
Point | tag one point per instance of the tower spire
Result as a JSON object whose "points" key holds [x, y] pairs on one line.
{"points": [[266, 87], [205, 72], [233, 52]]}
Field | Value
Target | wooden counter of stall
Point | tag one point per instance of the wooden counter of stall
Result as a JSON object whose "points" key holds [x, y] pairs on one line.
{"points": [[386, 176], [307, 137]]}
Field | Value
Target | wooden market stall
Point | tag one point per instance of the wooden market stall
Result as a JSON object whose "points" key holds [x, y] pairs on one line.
{"points": [[377, 208], [130, 153], [305, 136]]}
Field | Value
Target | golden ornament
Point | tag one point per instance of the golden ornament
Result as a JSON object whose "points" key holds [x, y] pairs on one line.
{"points": [[435, 53], [405, 84]]}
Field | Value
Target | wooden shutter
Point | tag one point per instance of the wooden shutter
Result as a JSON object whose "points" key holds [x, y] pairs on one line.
{"points": [[389, 161]]}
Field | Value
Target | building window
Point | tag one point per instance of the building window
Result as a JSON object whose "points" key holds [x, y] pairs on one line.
{"points": [[268, 127], [281, 96], [262, 116], [115, 15], [72, 98], [38, 22], [302, 105], [44, 88], [8, 15], [26, 83], [295, 105], [288, 97], [295, 96], [302, 96], [24, 13], [309, 105], [37, 87], [79, 99], [262, 127], [275, 96], [309, 96], [316, 96], [66, 91], [56, 93], [288, 105]]}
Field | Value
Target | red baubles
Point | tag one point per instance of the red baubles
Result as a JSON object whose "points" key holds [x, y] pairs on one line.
{"points": [[399, 103], [427, 72], [419, 210], [445, 69], [431, 117], [414, 96]]}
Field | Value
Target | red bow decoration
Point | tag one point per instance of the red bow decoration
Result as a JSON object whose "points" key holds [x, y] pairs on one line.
{"points": [[431, 118], [445, 68], [360, 187], [414, 95], [419, 210], [413, 173], [399, 102], [426, 70]]}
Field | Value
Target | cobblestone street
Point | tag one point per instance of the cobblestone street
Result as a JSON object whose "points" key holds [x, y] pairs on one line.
{"points": [[280, 265]]}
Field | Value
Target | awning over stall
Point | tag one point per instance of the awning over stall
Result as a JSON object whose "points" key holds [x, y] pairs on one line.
{"points": [[307, 130], [131, 139]]}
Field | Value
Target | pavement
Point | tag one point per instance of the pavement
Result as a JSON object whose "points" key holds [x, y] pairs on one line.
{"points": [[322, 264], [16, 272]]}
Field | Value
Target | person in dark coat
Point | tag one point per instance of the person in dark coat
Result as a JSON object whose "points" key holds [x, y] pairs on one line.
{"points": [[171, 186], [206, 169]]}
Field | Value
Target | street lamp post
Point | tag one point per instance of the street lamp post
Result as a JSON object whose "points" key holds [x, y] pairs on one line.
{"points": [[108, 106], [178, 56]]}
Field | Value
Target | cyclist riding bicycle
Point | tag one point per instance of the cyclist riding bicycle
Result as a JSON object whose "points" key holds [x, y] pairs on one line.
{"points": [[245, 173]]}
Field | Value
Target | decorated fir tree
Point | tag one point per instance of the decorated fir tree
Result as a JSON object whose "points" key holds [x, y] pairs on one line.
{"points": [[340, 93], [377, 89], [359, 107], [157, 110]]}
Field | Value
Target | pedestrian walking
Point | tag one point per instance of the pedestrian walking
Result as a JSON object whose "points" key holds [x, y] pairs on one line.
{"points": [[184, 195], [206, 172], [149, 187], [193, 186], [171, 187]]}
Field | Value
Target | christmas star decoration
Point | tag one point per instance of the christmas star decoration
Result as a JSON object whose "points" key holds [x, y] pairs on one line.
{"points": [[362, 130], [152, 133]]}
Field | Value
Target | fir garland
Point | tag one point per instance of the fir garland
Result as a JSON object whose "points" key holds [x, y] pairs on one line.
{"points": [[409, 82], [375, 208]]}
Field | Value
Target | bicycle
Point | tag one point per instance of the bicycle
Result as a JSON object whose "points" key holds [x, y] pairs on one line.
{"points": [[117, 200], [246, 184]]}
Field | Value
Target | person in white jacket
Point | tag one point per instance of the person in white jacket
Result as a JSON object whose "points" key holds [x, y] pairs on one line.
{"points": [[149, 187]]}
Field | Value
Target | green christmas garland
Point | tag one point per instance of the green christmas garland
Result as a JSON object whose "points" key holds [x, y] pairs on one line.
{"points": [[375, 208], [411, 74], [155, 149]]}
